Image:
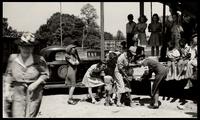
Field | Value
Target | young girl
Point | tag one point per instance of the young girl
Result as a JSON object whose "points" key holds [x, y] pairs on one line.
{"points": [[184, 59], [73, 59], [160, 74], [94, 78], [172, 55], [155, 27], [192, 63], [140, 30]]}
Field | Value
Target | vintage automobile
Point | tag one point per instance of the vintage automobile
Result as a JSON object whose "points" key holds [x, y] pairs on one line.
{"points": [[55, 58]]}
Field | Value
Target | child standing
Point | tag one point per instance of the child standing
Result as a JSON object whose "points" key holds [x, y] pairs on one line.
{"points": [[140, 30], [155, 27], [130, 30]]}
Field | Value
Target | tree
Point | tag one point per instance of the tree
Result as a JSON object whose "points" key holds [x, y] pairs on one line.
{"points": [[91, 29], [8, 30], [72, 29], [108, 36], [119, 35]]}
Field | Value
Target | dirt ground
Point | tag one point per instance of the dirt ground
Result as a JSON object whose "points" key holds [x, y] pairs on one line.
{"points": [[56, 106]]}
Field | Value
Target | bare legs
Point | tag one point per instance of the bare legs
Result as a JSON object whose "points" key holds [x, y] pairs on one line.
{"points": [[156, 98], [157, 50], [91, 94], [71, 91]]}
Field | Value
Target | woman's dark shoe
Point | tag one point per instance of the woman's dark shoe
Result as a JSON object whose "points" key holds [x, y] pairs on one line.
{"points": [[153, 106]]}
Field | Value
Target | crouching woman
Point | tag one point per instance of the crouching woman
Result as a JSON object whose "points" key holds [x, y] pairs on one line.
{"points": [[94, 78]]}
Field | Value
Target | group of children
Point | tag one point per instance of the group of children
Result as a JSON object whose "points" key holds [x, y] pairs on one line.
{"points": [[182, 61]]}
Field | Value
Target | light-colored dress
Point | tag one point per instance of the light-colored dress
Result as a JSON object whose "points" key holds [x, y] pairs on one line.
{"points": [[155, 37], [173, 56], [70, 79], [92, 81], [182, 64], [140, 29], [122, 62], [21, 75]]}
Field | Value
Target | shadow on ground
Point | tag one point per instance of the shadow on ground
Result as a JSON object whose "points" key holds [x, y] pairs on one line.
{"points": [[194, 114]]}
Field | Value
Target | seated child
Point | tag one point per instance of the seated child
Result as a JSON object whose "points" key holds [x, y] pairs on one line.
{"points": [[184, 59], [173, 56], [192, 64]]}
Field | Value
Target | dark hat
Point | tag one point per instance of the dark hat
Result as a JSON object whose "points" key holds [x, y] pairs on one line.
{"points": [[194, 35], [69, 47], [27, 39]]}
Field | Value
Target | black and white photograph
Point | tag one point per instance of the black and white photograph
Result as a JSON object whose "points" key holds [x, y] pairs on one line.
{"points": [[100, 59]]}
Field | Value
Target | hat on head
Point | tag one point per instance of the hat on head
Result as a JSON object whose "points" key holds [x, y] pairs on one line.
{"points": [[27, 39], [69, 47], [132, 49], [194, 35]]}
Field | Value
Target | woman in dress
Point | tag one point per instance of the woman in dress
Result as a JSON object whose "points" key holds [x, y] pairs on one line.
{"points": [[26, 73], [121, 73], [73, 61], [94, 78], [155, 27], [140, 30]]}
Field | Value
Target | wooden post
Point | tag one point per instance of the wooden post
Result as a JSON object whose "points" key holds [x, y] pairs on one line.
{"points": [[102, 30], [164, 14], [151, 10], [141, 8], [61, 23]]}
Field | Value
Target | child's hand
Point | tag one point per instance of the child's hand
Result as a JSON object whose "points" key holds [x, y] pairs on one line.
{"points": [[138, 79]]}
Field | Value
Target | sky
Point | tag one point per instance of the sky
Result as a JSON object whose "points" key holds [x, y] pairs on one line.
{"points": [[29, 16]]}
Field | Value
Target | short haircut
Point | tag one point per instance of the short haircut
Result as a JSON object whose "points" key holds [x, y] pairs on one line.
{"points": [[130, 17]]}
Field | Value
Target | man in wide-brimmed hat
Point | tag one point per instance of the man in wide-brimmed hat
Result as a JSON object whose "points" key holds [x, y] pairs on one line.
{"points": [[27, 73]]}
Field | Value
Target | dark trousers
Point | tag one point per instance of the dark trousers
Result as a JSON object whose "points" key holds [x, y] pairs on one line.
{"points": [[130, 42]]}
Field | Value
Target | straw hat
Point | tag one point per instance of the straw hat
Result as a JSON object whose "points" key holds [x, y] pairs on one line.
{"points": [[133, 49], [27, 39]]}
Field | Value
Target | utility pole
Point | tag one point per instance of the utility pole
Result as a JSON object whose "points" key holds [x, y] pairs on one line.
{"points": [[151, 9], [141, 8], [61, 24], [102, 30]]}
